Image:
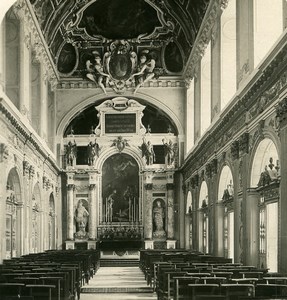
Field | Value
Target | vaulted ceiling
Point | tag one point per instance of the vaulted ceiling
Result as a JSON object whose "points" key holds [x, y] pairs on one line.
{"points": [[75, 28]]}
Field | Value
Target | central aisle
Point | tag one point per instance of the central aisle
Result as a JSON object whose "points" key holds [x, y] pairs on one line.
{"points": [[118, 283]]}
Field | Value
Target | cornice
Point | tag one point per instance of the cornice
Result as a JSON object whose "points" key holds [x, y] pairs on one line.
{"points": [[203, 37], [33, 37], [26, 134], [79, 83]]}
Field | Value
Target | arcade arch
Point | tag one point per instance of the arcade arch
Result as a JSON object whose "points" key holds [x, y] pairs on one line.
{"points": [[263, 207], [203, 219], [225, 213], [13, 215]]}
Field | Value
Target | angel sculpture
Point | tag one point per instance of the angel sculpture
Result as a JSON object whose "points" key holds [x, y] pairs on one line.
{"points": [[95, 70], [71, 153], [169, 151], [147, 152], [145, 69], [93, 151]]}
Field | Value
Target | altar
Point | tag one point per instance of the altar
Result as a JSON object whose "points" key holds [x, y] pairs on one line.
{"points": [[122, 200]]}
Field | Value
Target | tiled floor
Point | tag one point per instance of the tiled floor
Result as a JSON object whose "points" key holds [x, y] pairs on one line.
{"points": [[121, 283]]}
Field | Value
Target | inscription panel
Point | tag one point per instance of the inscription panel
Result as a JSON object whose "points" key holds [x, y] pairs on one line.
{"points": [[120, 123]]}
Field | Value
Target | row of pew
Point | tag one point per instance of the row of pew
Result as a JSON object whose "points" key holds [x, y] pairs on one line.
{"points": [[52, 275], [186, 275]]}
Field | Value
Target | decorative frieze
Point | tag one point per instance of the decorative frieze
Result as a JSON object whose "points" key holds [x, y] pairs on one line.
{"points": [[214, 166], [281, 112], [234, 148], [244, 143], [208, 171], [4, 153]]}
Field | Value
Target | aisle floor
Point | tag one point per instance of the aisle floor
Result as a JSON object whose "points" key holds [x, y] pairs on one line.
{"points": [[121, 283]]}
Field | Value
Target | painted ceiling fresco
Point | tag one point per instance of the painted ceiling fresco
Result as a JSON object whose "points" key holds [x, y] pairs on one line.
{"points": [[74, 29]]}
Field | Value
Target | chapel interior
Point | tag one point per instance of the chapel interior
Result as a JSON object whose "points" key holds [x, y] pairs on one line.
{"points": [[143, 130]]}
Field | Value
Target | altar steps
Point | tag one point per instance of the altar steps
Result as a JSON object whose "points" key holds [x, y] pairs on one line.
{"points": [[110, 262], [121, 283]]}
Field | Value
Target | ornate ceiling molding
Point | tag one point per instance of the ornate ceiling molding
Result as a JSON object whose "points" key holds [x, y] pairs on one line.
{"points": [[205, 34], [33, 38]]}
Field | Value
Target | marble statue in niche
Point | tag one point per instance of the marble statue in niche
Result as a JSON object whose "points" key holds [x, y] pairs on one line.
{"points": [[158, 220], [81, 218]]}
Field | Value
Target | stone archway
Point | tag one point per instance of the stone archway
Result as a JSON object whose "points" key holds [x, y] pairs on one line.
{"points": [[36, 238], [188, 221], [225, 214], [13, 215], [263, 203], [203, 218], [52, 223]]}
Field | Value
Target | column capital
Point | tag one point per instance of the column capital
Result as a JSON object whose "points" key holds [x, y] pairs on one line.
{"points": [[148, 186], [70, 187], [92, 186], [170, 186], [281, 113]]}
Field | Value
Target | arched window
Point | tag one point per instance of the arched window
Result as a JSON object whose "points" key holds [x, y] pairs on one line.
{"points": [[36, 225], [52, 223], [226, 213], [265, 177], [188, 221], [13, 197], [203, 213]]}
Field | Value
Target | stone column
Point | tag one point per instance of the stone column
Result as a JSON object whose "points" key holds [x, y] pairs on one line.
{"points": [[252, 228], [2, 53], [70, 211], [25, 71], [245, 47], [170, 211], [44, 105], [281, 117], [20, 215], [197, 104], [215, 70], [92, 212], [148, 212]]}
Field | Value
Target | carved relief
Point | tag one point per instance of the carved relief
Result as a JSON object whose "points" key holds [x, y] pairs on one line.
{"points": [[234, 150]]}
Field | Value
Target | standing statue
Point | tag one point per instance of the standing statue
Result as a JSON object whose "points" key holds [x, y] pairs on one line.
{"points": [[148, 152], [95, 70], [169, 152], [81, 217], [145, 69], [158, 217], [93, 151], [71, 153]]}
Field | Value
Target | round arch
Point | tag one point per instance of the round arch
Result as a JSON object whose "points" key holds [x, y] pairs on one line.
{"points": [[225, 180], [13, 181], [134, 153], [188, 203], [265, 150], [203, 194], [36, 194], [4, 7], [91, 100]]}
